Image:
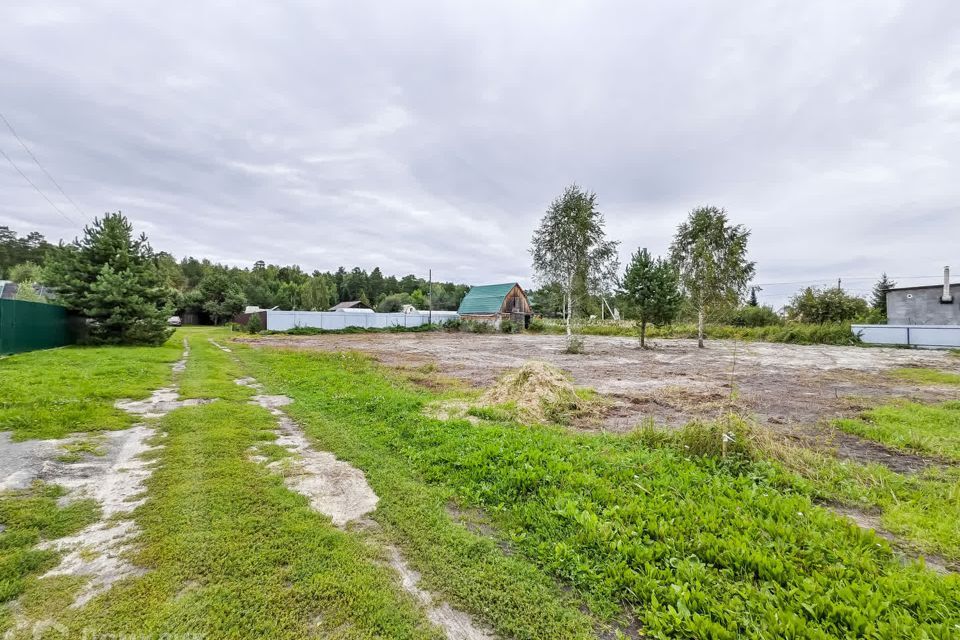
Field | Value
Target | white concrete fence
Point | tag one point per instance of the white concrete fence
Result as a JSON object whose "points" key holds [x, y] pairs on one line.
{"points": [[335, 320], [913, 335]]}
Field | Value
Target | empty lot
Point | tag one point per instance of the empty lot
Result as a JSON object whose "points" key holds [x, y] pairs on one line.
{"points": [[792, 388]]}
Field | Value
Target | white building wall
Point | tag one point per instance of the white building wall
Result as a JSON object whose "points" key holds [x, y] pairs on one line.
{"points": [[334, 320], [943, 336]]}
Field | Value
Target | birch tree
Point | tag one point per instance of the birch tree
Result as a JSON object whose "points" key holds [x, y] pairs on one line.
{"points": [[570, 248], [711, 257]]}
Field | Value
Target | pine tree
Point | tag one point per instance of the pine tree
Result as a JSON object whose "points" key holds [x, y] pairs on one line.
{"points": [[653, 288], [112, 278], [879, 296]]}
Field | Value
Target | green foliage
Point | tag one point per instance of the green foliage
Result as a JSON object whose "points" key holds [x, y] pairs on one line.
{"points": [[652, 288], [789, 332], [26, 273], [711, 256], [509, 326], [570, 249], [16, 250], [255, 325], [694, 544], [475, 326], [112, 278], [315, 295], [537, 325], [927, 429], [832, 304], [878, 297], [220, 297], [27, 293], [394, 303], [755, 316], [266, 286]]}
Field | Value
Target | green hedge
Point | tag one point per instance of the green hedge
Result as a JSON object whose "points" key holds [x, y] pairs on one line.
{"points": [[791, 333]]}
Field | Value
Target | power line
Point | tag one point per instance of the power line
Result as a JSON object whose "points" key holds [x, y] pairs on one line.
{"points": [[14, 165], [45, 172]]}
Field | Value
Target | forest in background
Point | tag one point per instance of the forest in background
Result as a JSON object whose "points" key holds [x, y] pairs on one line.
{"points": [[215, 290]]}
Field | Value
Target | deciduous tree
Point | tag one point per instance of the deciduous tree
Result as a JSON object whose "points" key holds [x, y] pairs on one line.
{"points": [[711, 257], [220, 297], [570, 248]]}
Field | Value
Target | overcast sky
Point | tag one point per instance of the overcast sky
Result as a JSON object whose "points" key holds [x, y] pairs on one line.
{"points": [[413, 135]]}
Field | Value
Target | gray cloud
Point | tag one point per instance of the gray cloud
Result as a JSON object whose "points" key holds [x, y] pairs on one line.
{"points": [[433, 135]]}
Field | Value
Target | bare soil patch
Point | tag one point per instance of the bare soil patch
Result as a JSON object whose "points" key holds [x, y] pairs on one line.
{"points": [[796, 390]]}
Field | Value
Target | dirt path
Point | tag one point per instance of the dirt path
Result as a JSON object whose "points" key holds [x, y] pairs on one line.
{"points": [[117, 482], [341, 492], [114, 476]]}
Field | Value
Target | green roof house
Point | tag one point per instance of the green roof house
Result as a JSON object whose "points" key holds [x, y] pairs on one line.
{"points": [[494, 302]]}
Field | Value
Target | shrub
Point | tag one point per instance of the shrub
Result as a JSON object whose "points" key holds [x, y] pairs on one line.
{"points": [[394, 303], [574, 345], [509, 326], [255, 324], [826, 305], [475, 326], [755, 317], [537, 325]]}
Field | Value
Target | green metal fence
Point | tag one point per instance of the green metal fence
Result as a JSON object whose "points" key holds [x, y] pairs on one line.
{"points": [[27, 326]]}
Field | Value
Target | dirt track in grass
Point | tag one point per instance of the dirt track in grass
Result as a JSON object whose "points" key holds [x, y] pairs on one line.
{"points": [[794, 389]]}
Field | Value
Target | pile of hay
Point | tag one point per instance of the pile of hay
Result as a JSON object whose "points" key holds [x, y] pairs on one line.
{"points": [[538, 392]]}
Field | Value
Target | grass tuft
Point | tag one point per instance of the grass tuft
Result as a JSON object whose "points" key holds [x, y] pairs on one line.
{"points": [[926, 376]]}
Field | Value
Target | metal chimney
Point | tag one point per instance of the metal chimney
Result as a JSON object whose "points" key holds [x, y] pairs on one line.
{"points": [[946, 297]]}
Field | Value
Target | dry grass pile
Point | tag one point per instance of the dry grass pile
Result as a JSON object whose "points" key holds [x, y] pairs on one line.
{"points": [[540, 392]]}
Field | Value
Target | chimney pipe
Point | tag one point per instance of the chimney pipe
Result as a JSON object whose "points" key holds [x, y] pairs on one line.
{"points": [[946, 297]]}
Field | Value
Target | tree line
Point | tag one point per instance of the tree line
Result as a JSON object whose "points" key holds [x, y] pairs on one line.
{"points": [[129, 290], [705, 276]]}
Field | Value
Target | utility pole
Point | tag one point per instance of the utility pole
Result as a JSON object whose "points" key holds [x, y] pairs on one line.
{"points": [[838, 285], [430, 297]]}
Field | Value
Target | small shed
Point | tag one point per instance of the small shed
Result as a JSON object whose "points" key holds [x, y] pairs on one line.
{"points": [[494, 302], [351, 305]]}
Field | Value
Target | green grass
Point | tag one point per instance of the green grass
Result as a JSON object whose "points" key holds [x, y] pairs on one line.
{"points": [[507, 592], [926, 429], [31, 516], [579, 531], [926, 376], [231, 552], [695, 546], [790, 333], [922, 509], [49, 394]]}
